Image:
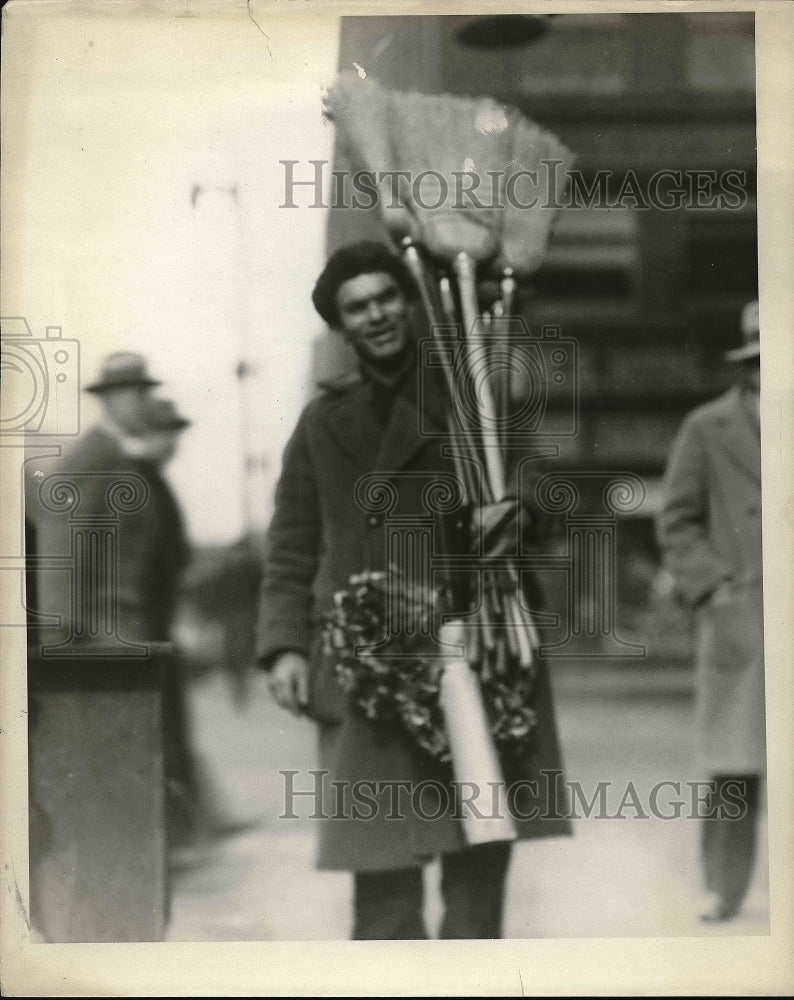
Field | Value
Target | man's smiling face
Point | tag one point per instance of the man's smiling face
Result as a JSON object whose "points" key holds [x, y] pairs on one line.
{"points": [[373, 316]]}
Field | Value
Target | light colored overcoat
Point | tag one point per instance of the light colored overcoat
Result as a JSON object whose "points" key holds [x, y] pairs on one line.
{"points": [[710, 533]]}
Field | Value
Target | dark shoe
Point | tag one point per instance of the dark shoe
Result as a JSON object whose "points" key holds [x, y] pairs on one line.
{"points": [[221, 829], [716, 908], [188, 857]]}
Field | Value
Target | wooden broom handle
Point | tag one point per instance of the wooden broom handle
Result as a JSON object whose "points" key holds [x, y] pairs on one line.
{"points": [[416, 267], [464, 270]]}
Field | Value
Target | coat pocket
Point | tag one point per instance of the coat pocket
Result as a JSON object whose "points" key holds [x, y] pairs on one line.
{"points": [[732, 632]]}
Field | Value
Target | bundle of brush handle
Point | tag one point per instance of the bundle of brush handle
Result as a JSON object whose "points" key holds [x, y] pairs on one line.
{"points": [[480, 461]]}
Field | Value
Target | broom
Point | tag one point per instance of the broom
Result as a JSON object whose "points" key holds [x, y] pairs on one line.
{"points": [[529, 215], [442, 140]]}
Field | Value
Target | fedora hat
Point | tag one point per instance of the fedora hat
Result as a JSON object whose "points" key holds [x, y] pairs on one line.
{"points": [[121, 371], [162, 415], [751, 346]]}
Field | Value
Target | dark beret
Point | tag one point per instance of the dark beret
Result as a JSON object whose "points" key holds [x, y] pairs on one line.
{"points": [[364, 257]]}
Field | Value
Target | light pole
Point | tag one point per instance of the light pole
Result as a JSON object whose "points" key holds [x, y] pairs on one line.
{"points": [[244, 370]]}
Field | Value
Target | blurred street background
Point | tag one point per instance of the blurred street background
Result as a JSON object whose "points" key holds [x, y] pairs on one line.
{"points": [[195, 262]]}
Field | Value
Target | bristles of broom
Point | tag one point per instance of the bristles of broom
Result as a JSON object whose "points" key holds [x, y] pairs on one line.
{"points": [[525, 230], [438, 136], [360, 109]]}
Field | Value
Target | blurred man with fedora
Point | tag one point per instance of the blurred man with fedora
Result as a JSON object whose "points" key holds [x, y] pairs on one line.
{"points": [[123, 390], [710, 534]]}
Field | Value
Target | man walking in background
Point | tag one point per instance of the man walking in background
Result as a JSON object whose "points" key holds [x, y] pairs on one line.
{"points": [[710, 534], [116, 445], [123, 389]]}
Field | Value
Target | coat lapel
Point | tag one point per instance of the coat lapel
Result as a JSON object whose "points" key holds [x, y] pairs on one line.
{"points": [[353, 426], [401, 439], [738, 435]]}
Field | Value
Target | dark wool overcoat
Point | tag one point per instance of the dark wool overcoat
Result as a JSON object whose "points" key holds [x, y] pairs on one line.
{"points": [[324, 530], [710, 532], [150, 542]]}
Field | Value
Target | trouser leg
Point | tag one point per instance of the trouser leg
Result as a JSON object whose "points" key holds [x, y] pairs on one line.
{"points": [[710, 853], [473, 887], [738, 837], [186, 820], [388, 905], [729, 843]]}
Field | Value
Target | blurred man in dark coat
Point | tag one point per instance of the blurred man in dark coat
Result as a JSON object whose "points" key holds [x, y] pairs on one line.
{"points": [[367, 422], [152, 551], [123, 390], [710, 533]]}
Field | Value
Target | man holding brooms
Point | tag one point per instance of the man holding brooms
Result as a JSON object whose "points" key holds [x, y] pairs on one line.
{"points": [[323, 536]]}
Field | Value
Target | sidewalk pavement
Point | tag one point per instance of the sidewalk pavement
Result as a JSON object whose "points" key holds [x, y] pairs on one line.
{"points": [[618, 877]]}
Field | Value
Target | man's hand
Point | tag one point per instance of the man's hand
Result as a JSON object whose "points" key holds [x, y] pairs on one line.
{"points": [[289, 682], [725, 593]]}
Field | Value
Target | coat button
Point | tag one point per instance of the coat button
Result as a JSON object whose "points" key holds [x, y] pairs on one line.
{"points": [[373, 520]]}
